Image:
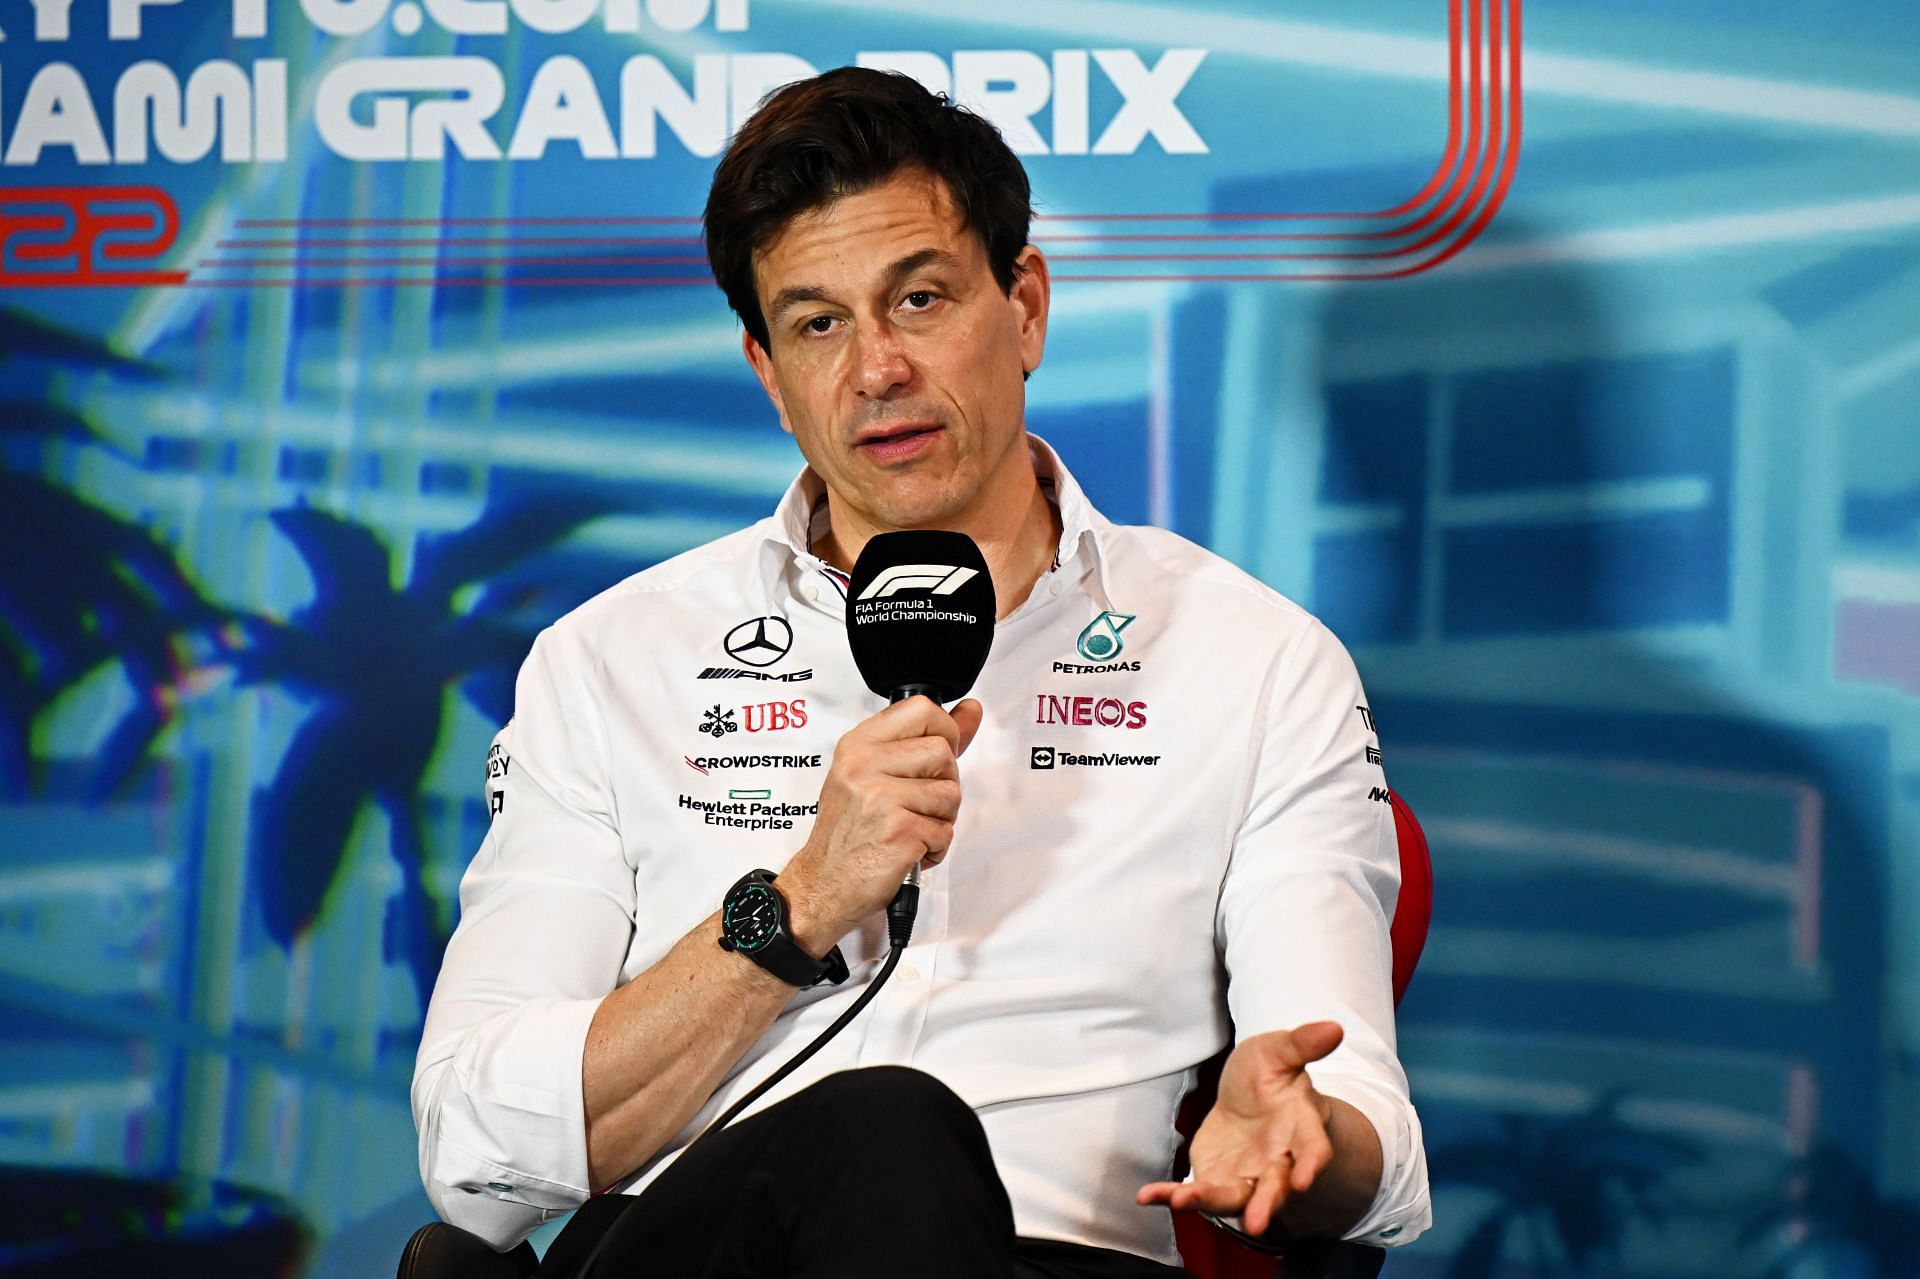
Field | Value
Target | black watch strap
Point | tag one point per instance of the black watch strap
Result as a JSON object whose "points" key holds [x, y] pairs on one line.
{"points": [[784, 959], [777, 951]]}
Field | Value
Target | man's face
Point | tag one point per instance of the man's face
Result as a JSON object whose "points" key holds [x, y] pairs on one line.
{"points": [[896, 361]]}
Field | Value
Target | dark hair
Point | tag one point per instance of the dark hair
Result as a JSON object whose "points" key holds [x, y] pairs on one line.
{"points": [[837, 134]]}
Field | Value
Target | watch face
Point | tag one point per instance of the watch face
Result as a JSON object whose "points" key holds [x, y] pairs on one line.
{"points": [[752, 917]]}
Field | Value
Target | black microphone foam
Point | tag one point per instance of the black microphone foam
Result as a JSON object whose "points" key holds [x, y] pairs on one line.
{"points": [[920, 613]]}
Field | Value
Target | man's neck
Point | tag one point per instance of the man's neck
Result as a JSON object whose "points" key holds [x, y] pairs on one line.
{"points": [[1018, 546]]}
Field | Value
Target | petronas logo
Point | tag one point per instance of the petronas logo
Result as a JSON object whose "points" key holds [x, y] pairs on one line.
{"points": [[1100, 642]]}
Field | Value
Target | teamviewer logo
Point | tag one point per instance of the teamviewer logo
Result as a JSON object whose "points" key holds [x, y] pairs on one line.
{"points": [[935, 579], [1042, 757]]}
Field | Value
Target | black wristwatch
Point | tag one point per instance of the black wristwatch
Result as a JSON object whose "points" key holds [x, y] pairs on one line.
{"points": [[753, 921]]}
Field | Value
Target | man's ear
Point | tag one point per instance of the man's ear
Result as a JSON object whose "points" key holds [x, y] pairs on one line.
{"points": [[762, 365], [1032, 296]]}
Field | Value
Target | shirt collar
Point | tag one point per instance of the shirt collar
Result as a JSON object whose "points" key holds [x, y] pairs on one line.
{"points": [[801, 517]]}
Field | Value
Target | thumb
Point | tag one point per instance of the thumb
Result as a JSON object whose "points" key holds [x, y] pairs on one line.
{"points": [[1316, 1039], [967, 715]]}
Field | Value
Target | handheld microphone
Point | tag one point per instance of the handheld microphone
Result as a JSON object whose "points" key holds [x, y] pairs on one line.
{"points": [[920, 615]]}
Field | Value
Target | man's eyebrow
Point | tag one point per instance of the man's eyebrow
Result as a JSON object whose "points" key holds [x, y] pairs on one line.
{"points": [[793, 296], [913, 263]]}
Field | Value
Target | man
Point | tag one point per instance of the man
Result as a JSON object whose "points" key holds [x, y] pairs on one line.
{"points": [[1170, 779]]}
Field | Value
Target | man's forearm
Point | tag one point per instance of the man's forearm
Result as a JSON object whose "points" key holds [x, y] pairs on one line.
{"points": [[660, 1045], [1346, 1187]]}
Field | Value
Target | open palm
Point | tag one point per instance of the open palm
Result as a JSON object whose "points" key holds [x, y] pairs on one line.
{"points": [[1266, 1138]]}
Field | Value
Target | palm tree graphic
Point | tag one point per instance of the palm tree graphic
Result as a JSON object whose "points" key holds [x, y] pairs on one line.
{"points": [[1831, 1220], [119, 596], [379, 667], [80, 587], [1570, 1182]]}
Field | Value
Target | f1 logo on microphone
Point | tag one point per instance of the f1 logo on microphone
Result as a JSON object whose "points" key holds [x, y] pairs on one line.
{"points": [[935, 579]]}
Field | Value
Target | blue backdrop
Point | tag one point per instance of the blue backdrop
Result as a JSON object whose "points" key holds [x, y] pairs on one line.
{"points": [[1598, 449]]}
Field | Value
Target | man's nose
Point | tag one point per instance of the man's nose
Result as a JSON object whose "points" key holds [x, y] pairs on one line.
{"points": [[881, 363]]}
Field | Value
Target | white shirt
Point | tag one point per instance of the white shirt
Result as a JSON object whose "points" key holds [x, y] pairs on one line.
{"points": [[1209, 840]]}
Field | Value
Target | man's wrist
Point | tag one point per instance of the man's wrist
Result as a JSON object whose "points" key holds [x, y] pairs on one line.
{"points": [[747, 969], [757, 921], [804, 919], [1347, 1188]]}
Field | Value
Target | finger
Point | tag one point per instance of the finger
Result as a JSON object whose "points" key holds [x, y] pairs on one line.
{"points": [[1225, 1195], [1312, 1159], [967, 716], [1175, 1194], [928, 756], [896, 825], [936, 797], [1263, 1205], [916, 716], [938, 723], [934, 836]]}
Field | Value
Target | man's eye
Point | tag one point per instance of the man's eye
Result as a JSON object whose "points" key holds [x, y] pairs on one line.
{"points": [[920, 299], [819, 324]]}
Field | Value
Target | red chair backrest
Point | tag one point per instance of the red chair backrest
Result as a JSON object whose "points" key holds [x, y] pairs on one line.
{"points": [[1211, 1253], [1414, 911]]}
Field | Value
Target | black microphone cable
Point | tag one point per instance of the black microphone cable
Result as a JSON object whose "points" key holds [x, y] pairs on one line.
{"points": [[900, 913]]}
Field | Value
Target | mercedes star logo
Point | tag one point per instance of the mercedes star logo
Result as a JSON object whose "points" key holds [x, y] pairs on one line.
{"points": [[760, 641]]}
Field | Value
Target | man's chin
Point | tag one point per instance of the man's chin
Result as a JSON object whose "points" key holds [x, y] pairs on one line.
{"points": [[915, 510]]}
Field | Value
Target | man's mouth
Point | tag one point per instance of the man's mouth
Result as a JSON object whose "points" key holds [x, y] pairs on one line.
{"points": [[899, 442]]}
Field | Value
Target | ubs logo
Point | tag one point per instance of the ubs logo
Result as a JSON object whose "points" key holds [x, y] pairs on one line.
{"points": [[760, 641], [760, 717], [771, 717]]}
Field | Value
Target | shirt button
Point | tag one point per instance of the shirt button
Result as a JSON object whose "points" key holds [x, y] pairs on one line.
{"points": [[1056, 586], [909, 973], [499, 1185], [812, 591]]}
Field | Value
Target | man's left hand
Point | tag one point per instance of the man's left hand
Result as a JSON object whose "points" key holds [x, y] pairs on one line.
{"points": [[1269, 1134]]}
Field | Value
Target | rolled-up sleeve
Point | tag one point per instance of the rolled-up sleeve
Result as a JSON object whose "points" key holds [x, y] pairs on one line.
{"points": [[1304, 911], [546, 919]]}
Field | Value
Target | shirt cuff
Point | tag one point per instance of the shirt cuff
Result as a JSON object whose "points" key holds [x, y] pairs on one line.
{"points": [[1401, 1210], [503, 1126]]}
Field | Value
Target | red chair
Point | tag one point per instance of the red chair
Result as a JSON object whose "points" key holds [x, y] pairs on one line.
{"points": [[440, 1251], [1210, 1252]]}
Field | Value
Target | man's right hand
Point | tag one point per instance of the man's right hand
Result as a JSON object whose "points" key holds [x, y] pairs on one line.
{"points": [[889, 800], [659, 1045]]}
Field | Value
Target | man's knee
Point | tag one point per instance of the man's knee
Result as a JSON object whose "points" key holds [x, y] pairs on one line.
{"points": [[864, 1123], [887, 1090], [889, 1103]]}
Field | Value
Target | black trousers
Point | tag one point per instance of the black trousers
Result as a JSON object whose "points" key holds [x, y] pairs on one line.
{"points": [[868, 1174]]}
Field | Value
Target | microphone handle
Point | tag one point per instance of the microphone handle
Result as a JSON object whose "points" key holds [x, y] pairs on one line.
{"points": [[901, 694]]}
